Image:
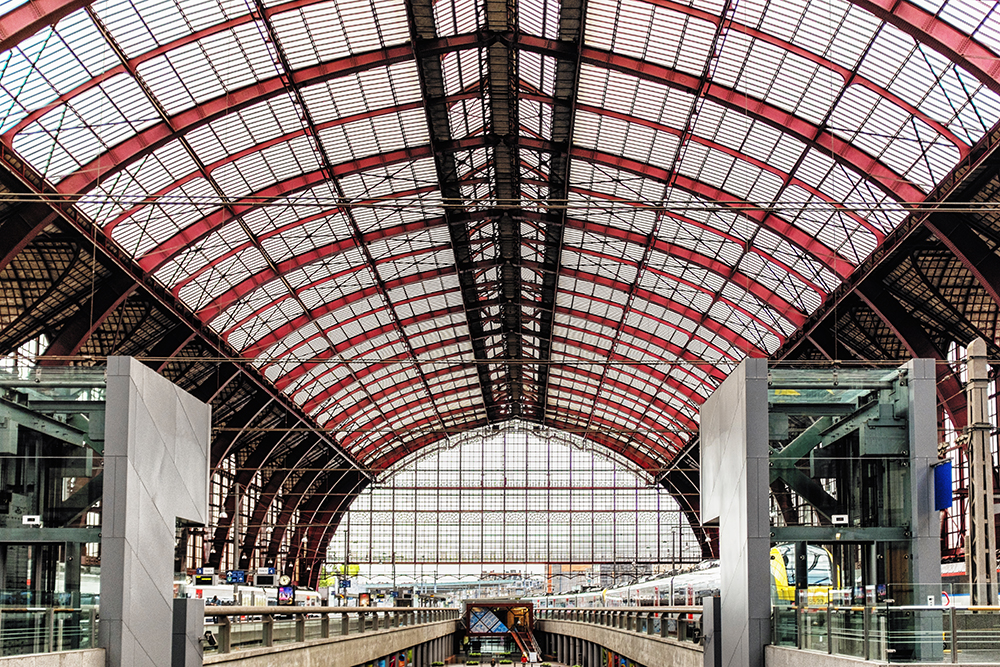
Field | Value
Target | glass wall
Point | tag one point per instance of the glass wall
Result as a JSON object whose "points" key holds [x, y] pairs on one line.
{"points": [[517, 494]]}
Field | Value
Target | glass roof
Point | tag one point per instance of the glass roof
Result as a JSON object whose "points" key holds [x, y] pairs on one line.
{"points": [[417, 218]]}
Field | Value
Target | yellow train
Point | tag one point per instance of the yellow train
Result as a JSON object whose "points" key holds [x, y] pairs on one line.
{"points": [[819, 570]]}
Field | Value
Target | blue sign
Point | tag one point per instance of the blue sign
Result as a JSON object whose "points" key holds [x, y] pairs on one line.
{"points": [[942, 486], [236, 576], [345, 583]]}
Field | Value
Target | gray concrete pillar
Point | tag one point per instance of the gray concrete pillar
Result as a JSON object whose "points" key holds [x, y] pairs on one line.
{"points": [[189, 624], [156, 470]]}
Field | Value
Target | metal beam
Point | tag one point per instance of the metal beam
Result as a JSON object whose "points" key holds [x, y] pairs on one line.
{"points": [[944, 38], [176, 339], [326, 520], [43, 423], [223, 442], [423, 37], [20, 227], [960, 185], [843, 534], [913, 336], [25, 20], [30, 535], [682, 478], [279, 475], [224, 373], [90, 315], [955, 232]]}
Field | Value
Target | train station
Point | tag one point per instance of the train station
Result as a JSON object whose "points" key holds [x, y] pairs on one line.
{"points": [[455, 333]]}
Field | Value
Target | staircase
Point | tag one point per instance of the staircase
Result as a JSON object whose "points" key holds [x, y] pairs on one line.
{"points": [[526, 642]]}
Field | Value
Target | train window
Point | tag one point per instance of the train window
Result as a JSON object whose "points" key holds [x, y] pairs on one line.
{"points": [[819, 569]]}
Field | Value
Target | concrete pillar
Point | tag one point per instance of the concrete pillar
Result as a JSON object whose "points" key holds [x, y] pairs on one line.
{"points": [[188, 626], [156, 470]]}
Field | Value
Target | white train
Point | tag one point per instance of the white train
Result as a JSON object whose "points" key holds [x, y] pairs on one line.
{"points": [[689, 587]]}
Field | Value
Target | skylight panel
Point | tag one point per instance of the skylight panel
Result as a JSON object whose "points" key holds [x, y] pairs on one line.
{"points": [[587, 297], [614, 183], [975, 18], [619, 270], [773, 316], [753, 331], [141, 26], [782, 283], [70, 135], [199, 254], [152, 225], [421, 261], [386, 181], [363, 92], [642, 30], [272, 165], [10, 5], [841, 184], [623, 93], [458, 17], [783, 79], [212, 66], [462, 70], [323, 269], [258, 326], [709, 243], [372, 136], [807, 266], [288, 355], [929, 81], [311, 235], [539, 17], [258, 300], [537, 70], [782, 17], [311, 35], [221, 277], [631, 140], [536, 117], [124, 189], [53, 62], [242, 130], [467, 117], [905, 144], [392, 214]]}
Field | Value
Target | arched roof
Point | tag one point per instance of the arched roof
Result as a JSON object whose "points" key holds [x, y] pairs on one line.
{"points": [[415, 218]]}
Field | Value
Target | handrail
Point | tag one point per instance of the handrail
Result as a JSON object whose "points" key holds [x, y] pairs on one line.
{"points": [[903, 633], [49, 636], [260, 626], [678, 609], [680, 623], [230, 610]]}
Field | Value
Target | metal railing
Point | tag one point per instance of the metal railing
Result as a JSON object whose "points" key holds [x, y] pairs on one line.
{"points": [[29, 630], [678, 623], [895, 634], [229, 629]]}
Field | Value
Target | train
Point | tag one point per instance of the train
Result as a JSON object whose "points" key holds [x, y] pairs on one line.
{"points": [[701, 581]]}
